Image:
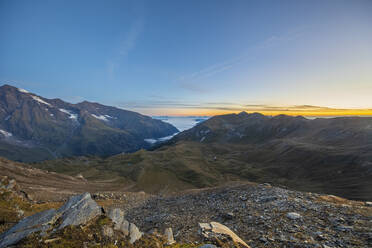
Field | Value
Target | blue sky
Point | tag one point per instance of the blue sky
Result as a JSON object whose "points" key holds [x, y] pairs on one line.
{"points": [[190, 57]]}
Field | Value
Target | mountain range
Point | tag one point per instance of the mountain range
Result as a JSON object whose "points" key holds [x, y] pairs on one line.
{"points": [[322, 155], [33, 128]]}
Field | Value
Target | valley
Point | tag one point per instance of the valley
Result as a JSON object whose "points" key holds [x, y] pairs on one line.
{"points": [[245, 147]]}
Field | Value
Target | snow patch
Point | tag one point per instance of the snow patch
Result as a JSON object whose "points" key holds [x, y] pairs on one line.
{"points": [[107, 116], [23, 90], [162, 139], [70, 113], [103, 117], [151, 141], [38, 99], [5, 133]]}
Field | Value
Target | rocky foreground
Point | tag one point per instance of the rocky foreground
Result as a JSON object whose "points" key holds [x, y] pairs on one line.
{"points": [[246, 215]]}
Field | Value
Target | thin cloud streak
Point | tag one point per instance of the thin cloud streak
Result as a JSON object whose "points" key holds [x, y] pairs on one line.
{"points": [[129, 41], [188, 81]]}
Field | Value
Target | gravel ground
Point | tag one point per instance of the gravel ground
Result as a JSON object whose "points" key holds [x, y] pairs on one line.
{"points": [[261, 215]]}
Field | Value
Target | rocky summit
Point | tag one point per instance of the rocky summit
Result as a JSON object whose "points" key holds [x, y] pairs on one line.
{"points": [[241, 215]]}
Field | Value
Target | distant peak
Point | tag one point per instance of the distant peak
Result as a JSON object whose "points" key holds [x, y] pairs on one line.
{"points": [[13, 88], [283, 116], [243, 113], [256, 114], [7, 86], [85, 102]]}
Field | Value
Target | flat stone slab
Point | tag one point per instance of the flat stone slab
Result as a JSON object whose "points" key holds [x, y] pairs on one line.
{"points": [[214, 230]]}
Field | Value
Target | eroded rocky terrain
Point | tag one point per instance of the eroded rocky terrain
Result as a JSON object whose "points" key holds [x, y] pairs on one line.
{"points": [[263, 216], [255, 215]]}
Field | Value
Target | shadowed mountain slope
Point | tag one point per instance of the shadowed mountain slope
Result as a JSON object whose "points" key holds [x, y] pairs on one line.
{"points": [[33, 128]]}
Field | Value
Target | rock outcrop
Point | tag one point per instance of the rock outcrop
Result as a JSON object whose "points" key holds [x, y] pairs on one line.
{"points": [[117, 216], [215, 230], [78, 210], [121, 224]]}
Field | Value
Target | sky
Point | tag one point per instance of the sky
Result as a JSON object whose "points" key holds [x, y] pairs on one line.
{"points": [[193, 57]]}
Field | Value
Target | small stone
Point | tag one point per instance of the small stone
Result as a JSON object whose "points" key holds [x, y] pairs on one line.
{"points": [[228, 215], [293, 216], [169, 235], [263, 239], [134, 233], [243, 198], [344, 228], [11, 185], [207, 246], [107, 231], [125, 227], [117, 216]]}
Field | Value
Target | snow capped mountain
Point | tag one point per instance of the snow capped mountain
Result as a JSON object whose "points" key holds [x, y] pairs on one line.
{"points": [[44, 128]]}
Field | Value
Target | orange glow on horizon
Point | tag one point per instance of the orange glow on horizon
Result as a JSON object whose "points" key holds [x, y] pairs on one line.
{"points": [[313, 113]]}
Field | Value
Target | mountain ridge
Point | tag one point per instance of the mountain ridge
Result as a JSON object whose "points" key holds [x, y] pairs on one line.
{"points": [[50, 128], [332, 156]]}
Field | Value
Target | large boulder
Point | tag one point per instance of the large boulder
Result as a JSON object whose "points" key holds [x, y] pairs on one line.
{"points": [[78, 210], [215, 230]]}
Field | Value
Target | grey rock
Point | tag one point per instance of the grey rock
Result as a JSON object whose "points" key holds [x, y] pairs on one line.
{"points": [[267, 199], [263, 239], [125, 227], [117, 216], [228, 215], [169, 235], [38, 222], [134, 233], [243, 198], [344, 228], [12, 184], [293, 216], [77, 210], [207, 246]]}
